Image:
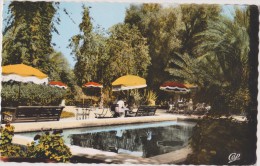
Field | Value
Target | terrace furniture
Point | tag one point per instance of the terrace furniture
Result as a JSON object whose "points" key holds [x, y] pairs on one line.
{"points": [[104, 112], [31, 113], [82, 113], [172, 108], [108, 113], [143, 111]]}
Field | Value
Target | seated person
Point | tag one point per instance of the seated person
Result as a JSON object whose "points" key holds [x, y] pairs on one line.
{"points": [[120, 110]]}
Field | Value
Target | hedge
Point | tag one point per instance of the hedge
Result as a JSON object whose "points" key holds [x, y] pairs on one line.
{"points": [[30, 94]]}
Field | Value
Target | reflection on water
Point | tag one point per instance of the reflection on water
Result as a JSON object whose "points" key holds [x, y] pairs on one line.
{"points": [[145, 142]]}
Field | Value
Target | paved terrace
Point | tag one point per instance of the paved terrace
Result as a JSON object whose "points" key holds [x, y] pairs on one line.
{"points": [[68, 123], [108, 157]]}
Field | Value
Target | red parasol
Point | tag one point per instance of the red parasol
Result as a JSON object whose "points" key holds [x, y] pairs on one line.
{"points": [[58, 84], [174, 87], [92, 85]]}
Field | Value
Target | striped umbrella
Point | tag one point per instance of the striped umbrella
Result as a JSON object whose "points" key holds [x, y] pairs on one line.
{"points": [[94, 85], [58, 84], [23, 73], [174, 87]]}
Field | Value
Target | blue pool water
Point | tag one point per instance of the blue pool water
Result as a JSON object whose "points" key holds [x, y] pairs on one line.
{"points": [[144, 140]]}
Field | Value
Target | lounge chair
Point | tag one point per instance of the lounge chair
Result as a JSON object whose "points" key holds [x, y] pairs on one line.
{"points": [[143, 111], [108, 113]]}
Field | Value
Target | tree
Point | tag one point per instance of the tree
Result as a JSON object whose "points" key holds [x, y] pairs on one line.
{"points": [[59, 68], [89, 49], [229, 43], [27, 37], [128, 52], [195, 20], [161, 27], [222, 53]]}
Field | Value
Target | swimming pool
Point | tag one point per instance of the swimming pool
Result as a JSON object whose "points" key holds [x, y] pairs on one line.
{"points": [[144, 140]]}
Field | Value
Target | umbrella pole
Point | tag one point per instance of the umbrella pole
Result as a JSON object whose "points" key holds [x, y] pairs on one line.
{"points": [[19, 93]]}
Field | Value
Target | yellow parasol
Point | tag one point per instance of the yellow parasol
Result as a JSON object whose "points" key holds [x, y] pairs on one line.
{"points": [[128, 82], [23, 73]]}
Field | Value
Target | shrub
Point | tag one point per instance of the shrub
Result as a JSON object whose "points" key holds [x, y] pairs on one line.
{"points": [[213, 140], [46, 146], [150, 97], [49, 146], [7, 149], [30, 94]]}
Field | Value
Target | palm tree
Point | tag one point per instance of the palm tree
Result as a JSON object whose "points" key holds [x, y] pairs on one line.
{"points": [[227, 42]]}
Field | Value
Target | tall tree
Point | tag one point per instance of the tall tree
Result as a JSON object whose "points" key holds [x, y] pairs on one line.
{"points": [[195, 20], [89, 50], [27, 38], [128, 52], [160, 26]]}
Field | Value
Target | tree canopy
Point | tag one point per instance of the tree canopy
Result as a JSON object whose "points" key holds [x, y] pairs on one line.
{"points": [[185, 43]]}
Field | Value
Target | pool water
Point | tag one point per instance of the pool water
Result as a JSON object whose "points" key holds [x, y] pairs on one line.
{"points": [[144, 140]]}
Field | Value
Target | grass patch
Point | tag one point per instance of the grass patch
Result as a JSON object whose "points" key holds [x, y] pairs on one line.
{"points": [[65, 114]]}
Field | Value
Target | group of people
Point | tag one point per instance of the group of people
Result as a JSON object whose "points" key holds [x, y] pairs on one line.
{"points": [[183, 106]]}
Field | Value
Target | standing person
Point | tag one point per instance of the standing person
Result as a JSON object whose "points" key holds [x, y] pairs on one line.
{"points": [[190, 106]]}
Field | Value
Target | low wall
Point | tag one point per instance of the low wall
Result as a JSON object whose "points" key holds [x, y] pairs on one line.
{"points": [[68, 124]]}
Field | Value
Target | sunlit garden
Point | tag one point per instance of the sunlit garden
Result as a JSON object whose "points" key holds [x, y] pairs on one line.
{"points": [[166, 84]]}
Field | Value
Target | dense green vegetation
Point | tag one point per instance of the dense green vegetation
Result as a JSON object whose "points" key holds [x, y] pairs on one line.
{"points": [[185, 43], [49, 146], [45, 146], [7, 149], [213, 140], [27, 39], [30, 94]]}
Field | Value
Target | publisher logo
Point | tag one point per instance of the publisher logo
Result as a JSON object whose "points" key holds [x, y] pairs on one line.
{"points": [[233, 157]]}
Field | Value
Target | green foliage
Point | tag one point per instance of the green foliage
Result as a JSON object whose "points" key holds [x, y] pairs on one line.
{"points": [[27, 37], [65, 114], [161, 26], [238, 101], [221, 53], [30, 94], [89, 50], [229, 43], [150, 97], [128, 52], [137, 97], [7, 149], [195, 20], [49, 146], [213, 140]]}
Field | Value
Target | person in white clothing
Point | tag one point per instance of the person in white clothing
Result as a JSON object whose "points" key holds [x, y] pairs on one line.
{"points": [[121, 107]]}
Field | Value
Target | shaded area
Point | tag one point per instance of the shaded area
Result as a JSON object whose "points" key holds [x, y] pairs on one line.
{"points": [[213, 140]]}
